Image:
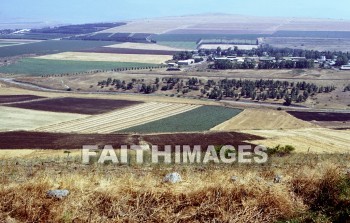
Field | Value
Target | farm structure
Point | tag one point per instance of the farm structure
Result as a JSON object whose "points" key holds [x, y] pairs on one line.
{"points": [[186, 62]]}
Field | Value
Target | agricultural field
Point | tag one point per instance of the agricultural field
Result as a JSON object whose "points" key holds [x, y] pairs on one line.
{"points": [[76, 105], [306, 140], [321, 116], [325, 119], [58, 141], [38, 67], [199, 119], [136, 52], [255, 119], [49, 47], [313, 34], [2, 44], [144, 46], [18, 98], [23, 119], [195, 37], [179, 44], [226, 46], [309, 43], [120, 119], [106, 57]]}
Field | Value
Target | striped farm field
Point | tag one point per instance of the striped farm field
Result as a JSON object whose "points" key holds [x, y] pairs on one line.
{"points": [[120, 119]]}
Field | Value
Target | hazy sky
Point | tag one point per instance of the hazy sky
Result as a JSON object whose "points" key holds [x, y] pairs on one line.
{"points": [[80, 11]]}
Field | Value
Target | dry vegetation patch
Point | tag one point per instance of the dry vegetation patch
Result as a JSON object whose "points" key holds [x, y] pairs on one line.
{"points": [[316, 140], [108, 57], [262, 119], [25, 119], [144, 46], [107, 193]]}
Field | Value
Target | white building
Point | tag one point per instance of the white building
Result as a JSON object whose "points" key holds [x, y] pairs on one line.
{"points": [[345, 67], [186, 62]]}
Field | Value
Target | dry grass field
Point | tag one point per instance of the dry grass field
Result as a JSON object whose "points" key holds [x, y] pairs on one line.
{"points": [[82, 56], [310, 187], [120, 119], [254, 119], [144, 46], [24, 119], [315, 140]]}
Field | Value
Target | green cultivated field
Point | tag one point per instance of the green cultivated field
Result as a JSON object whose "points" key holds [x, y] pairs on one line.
{"points": [[50, 47], [199, 119], [32, 66], [180, 45]]}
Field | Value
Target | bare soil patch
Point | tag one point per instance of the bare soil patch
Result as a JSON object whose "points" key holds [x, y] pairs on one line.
{"points": [[17, 98], [321, 116], [77, 105], [42, 140]]}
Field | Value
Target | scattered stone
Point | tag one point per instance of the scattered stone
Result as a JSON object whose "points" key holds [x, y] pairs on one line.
{"points": [[277, 179], [259, 179], [172, 178], [234, 178], [57, 193]]}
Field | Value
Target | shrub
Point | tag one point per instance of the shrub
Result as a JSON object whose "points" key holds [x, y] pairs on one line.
{"points": [[280, 150]]}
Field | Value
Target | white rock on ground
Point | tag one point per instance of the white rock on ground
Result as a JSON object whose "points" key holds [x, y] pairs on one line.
{"points": [[172, 178], [57, 193]]}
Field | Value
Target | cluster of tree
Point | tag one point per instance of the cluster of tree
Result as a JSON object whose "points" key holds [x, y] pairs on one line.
{"points": [[342, 60], [263, 90], [278, 53], [227, 64], [183, 55], [118, 84], [347, 88], [286, 64], [259, 90]]}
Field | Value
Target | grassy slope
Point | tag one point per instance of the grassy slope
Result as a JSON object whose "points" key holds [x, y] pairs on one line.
{"points": [[33, 66], [314, 188], [199, 119]]}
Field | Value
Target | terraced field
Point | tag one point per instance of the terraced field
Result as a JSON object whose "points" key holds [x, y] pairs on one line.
{"points": [[120, 119]]}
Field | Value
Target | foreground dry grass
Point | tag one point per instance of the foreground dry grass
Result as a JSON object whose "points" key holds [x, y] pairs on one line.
{"points": [[136, 193]]}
